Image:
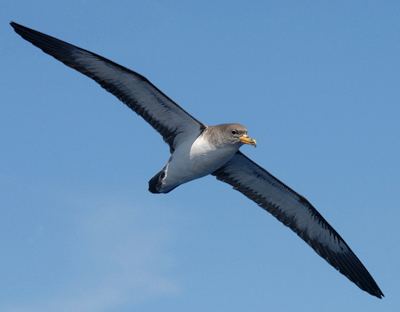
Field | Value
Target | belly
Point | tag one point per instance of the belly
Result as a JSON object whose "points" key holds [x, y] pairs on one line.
{"points": [[194, 161]]}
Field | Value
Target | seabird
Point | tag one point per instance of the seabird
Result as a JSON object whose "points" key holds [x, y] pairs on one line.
{"points": [[198, 150]]}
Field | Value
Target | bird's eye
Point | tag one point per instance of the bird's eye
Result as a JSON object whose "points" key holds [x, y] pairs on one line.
{"points": [[234, 132]]}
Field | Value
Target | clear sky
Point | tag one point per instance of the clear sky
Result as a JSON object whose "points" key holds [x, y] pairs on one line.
{"points": [[315, 82]]}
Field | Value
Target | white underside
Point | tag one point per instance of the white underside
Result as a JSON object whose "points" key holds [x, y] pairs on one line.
{"points": [[193, 159]]}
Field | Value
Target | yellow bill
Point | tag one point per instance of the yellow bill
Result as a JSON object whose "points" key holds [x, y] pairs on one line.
{"points": [[248, 140]]}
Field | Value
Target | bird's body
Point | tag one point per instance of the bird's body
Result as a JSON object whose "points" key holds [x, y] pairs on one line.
{"points": [[197, 156], [198, 150]]}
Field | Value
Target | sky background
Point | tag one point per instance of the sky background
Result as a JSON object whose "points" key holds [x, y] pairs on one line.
{"points": [[316, 83]]}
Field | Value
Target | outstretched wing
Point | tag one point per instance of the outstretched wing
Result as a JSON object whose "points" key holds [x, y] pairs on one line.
{"points": [[296, 212], [138, 93]]}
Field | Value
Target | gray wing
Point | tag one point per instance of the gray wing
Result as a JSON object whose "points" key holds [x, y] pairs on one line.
{"points": [[138, 93], [296, 212]]}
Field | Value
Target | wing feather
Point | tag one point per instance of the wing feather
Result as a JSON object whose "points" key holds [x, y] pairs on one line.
{"points": [[297, 213], [136, 91]]}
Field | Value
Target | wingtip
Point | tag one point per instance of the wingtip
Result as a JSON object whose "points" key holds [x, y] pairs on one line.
{"points": [[376, 292], [19, 28], [380, 295], [15, 26]]}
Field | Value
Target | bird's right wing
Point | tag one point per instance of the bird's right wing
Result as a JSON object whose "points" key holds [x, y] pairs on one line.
{"points": [[138, 93], [297, 213]]}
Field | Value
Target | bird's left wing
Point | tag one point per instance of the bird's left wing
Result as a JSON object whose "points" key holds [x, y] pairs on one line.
{"points": [[297, 213], [136, 91]]}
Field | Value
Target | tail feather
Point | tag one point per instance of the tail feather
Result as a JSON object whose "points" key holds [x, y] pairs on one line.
{"points": [[155, 182]]}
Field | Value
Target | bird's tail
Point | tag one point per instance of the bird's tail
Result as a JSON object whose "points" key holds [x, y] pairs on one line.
{"points": [[155, 182]]}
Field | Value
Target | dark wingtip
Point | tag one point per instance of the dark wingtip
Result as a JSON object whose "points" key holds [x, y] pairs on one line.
{"points": [[375, 291], [379, 294], [15, 25], [19, 29]]}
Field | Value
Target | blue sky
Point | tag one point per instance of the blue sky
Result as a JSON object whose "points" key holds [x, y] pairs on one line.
{"points": [[316, 83]]}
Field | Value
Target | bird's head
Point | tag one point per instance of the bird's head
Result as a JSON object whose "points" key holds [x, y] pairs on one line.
{"points": [[236, 134]]}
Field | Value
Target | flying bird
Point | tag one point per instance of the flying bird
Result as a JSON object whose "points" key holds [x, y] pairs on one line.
{"points": [[198, 150]]}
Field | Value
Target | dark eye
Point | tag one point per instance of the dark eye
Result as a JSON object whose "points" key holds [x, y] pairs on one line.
{"points": [[234, 132]]}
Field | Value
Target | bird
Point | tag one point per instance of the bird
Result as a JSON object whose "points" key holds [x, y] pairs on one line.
{"points": [[198, 150]]}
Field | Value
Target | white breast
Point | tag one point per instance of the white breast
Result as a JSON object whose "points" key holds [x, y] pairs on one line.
{"points": [[195, 159]]}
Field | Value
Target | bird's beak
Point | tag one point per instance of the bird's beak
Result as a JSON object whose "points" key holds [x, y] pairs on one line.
{"points": [[247, 140]]}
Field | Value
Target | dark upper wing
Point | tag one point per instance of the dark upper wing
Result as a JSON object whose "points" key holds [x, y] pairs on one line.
{"points": [[168, 118], [296, 212]]}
